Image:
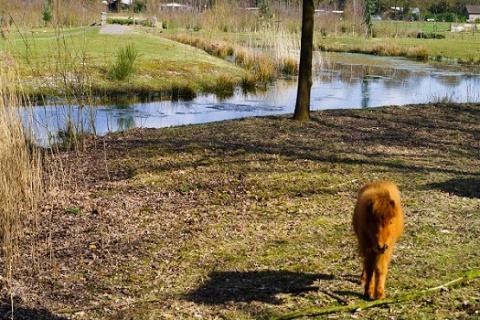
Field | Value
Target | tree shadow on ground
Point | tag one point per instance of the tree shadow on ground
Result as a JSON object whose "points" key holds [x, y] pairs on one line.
{"points": [[462, 187], [262, 286], [21, 313], [335, 137]]}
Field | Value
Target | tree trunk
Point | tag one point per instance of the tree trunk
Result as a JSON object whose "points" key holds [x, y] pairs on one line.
{"points": [[302, 105]]}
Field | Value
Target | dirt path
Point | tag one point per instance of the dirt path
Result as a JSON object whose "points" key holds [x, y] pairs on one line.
{"points": [[115, 29]]}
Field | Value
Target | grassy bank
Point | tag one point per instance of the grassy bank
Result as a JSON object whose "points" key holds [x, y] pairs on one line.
{"points": [[249, 219], [76, 63], [461, 47]]}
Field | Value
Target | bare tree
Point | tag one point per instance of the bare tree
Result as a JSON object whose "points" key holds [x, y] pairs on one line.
{"points": [[302, 105]]}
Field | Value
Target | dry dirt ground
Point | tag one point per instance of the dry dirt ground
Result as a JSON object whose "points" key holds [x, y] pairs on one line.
{"points": [[248, 219]]}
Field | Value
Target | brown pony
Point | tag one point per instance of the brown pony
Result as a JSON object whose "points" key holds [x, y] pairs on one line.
{"points": [[378, 223]]}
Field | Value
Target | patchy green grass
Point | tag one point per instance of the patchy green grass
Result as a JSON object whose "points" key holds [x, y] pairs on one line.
{"points": [[249, 219], [455, 46], [52, 62]]}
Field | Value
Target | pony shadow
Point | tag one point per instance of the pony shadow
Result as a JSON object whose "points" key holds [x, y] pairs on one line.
{"points": [[466, 187], [21, 313], [262, 286], [352, 278]]}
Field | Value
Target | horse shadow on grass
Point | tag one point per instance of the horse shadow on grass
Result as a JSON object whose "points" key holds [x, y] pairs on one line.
{"points": [[261, 286], [462, 187], [22, 313]]}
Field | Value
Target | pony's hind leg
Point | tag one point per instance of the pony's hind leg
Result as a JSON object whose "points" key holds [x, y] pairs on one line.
{"points": [[368, 270], [363, 277]]}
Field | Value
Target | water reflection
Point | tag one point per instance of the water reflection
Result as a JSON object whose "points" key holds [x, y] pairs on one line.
{"points": [[365, 93], [125, 116], [344, 81]]}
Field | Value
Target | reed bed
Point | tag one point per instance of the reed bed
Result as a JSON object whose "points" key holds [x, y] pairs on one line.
{"points": [[68, 13], [267, 54], [20, 173], [419, 53], [387, 50]]}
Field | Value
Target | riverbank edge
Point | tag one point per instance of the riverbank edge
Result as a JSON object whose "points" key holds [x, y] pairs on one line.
{"points": [[222, 86]]}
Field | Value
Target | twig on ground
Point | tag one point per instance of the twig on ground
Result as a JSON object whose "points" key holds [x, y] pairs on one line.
{"points": [[341, 184]]}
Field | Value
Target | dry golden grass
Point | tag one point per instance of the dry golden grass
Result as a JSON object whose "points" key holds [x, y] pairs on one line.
{"points": [[20, 172], [64, 13], [387, 50], [273, 52], [419, 53]]}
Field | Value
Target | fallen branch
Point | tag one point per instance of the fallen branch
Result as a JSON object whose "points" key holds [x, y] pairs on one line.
{"points": [[369, 304]]}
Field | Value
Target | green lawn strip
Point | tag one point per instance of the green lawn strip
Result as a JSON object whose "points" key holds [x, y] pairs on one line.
{"points": [[53, 61]]}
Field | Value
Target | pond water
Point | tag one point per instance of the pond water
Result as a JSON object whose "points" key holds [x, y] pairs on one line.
{"points": [[343, 81]]}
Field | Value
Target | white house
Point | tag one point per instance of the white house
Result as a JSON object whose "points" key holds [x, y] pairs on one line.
{"points": [[472, 12], [173, 6]]}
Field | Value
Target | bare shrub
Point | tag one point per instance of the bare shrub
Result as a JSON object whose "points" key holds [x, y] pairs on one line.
{"points": [[387, 50], [328, 23], [419, 53]]}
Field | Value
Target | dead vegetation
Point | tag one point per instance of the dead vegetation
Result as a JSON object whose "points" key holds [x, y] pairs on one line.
{"points": [[250, 219], [20, 180]]}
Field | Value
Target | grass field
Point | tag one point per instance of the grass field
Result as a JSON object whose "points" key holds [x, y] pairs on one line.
{"points": [[463, 47], [61, 62], [250, 219]]}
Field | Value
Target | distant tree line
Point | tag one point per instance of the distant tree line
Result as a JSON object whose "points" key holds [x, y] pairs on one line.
{"points": [[72, 10], [447, 10]]}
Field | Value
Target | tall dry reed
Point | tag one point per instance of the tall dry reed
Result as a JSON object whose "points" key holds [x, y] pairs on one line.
{"points": [[286, 49], [20, 171], [66, 13], [267, 53]]}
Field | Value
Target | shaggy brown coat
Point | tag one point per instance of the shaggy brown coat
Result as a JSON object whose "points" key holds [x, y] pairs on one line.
{"points": [[378, 224]]}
